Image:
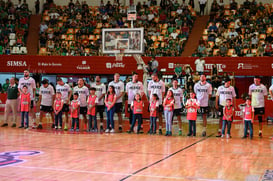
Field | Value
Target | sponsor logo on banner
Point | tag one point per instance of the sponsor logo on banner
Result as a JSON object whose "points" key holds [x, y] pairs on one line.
{"points": [[246, 66], [83, 66], [114, 65], [170, 65], [219, 66], [16, 63], [51, 64]]}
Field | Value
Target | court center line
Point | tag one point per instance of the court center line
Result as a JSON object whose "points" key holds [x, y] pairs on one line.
{"points": [[165, 158], [114, 173]]}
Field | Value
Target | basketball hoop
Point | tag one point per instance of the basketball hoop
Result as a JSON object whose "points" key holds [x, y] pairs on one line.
{"points": [[119, 56]]}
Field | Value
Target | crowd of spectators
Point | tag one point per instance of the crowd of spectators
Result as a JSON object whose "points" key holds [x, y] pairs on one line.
{"points": [[14, 24], [238, 30], [76, 28]]}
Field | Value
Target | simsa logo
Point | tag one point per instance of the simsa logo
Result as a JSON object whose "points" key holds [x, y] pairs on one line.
{"points": [[16, 63]]}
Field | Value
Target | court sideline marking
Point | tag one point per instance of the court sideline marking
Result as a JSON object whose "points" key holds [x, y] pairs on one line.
{"points": [[165, 158]]}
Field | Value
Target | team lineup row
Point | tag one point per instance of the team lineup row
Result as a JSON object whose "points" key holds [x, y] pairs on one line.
{"points": [[97, 100]]}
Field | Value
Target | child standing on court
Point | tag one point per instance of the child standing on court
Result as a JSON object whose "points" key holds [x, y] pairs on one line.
{"points": [[110, 100], [248, 118], [192, 105], [168, 105], [58, 106], [25, 107], [75, 104], [154, 105], [137, 107], [91, 111], [228, 112]]}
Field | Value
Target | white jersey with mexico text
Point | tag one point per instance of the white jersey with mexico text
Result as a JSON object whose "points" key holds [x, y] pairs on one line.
{"points": [[178, 95], [132, 89], [100, 89], [156, 88], [225, 93], [30, 83], [257, 93], [119, 89], [47, 95], [64, 89], [202, 93], [83, 93]]}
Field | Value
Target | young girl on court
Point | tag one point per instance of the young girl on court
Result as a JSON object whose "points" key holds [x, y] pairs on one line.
{"points": [[110, 100], [58, 106], [25, 107], [228, 111], [75, 104], [154, 104], [91, 111], [168, 105], [137, 107], [192, 105], [248, 118]]}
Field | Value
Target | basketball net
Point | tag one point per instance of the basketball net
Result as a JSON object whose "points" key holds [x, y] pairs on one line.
{"points": [[119, 56]]}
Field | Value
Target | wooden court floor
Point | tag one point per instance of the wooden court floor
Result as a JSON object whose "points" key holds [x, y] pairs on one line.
{"points": [[49, 155]]}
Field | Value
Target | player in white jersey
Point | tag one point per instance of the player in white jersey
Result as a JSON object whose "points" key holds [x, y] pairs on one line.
{"points": [[132, 88], [203, 91], [66, 92], [157, 87], [30, 83], [119, 89], [258, 93], [83, 92], [271, 92], [46, 100], [223, 93], [178, 98], [100, 92]]}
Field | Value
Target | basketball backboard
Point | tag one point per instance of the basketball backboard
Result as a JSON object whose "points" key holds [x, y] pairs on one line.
{"points": [[129, 40]]}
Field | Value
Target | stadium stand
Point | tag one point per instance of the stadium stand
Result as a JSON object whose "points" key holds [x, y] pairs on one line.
{"points": [[14, 23], [75, 29]]}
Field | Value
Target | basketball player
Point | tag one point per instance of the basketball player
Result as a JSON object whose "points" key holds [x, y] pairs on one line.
{"points": [[203, 91], [83, 92], [119, 90], [100, 92], [46, 100], [258, 94], [132, 88], [271, 92], [66, 92], [223, 93], [157, 87], [31, 85]]}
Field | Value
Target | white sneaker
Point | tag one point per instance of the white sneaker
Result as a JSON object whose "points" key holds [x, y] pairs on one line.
{"points": [[112, 131], [107, 131], [228, 136], [222, 136], [59, 127]]}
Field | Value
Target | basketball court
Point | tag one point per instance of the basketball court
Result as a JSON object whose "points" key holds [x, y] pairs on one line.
{"points": [[58, 155]]}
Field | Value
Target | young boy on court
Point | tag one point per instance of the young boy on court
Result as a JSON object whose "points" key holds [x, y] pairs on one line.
{"points": [[91, 110], [58, 106], [192, 105], [228, 112], [25, 107], [75, 104], [248, 118]]}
